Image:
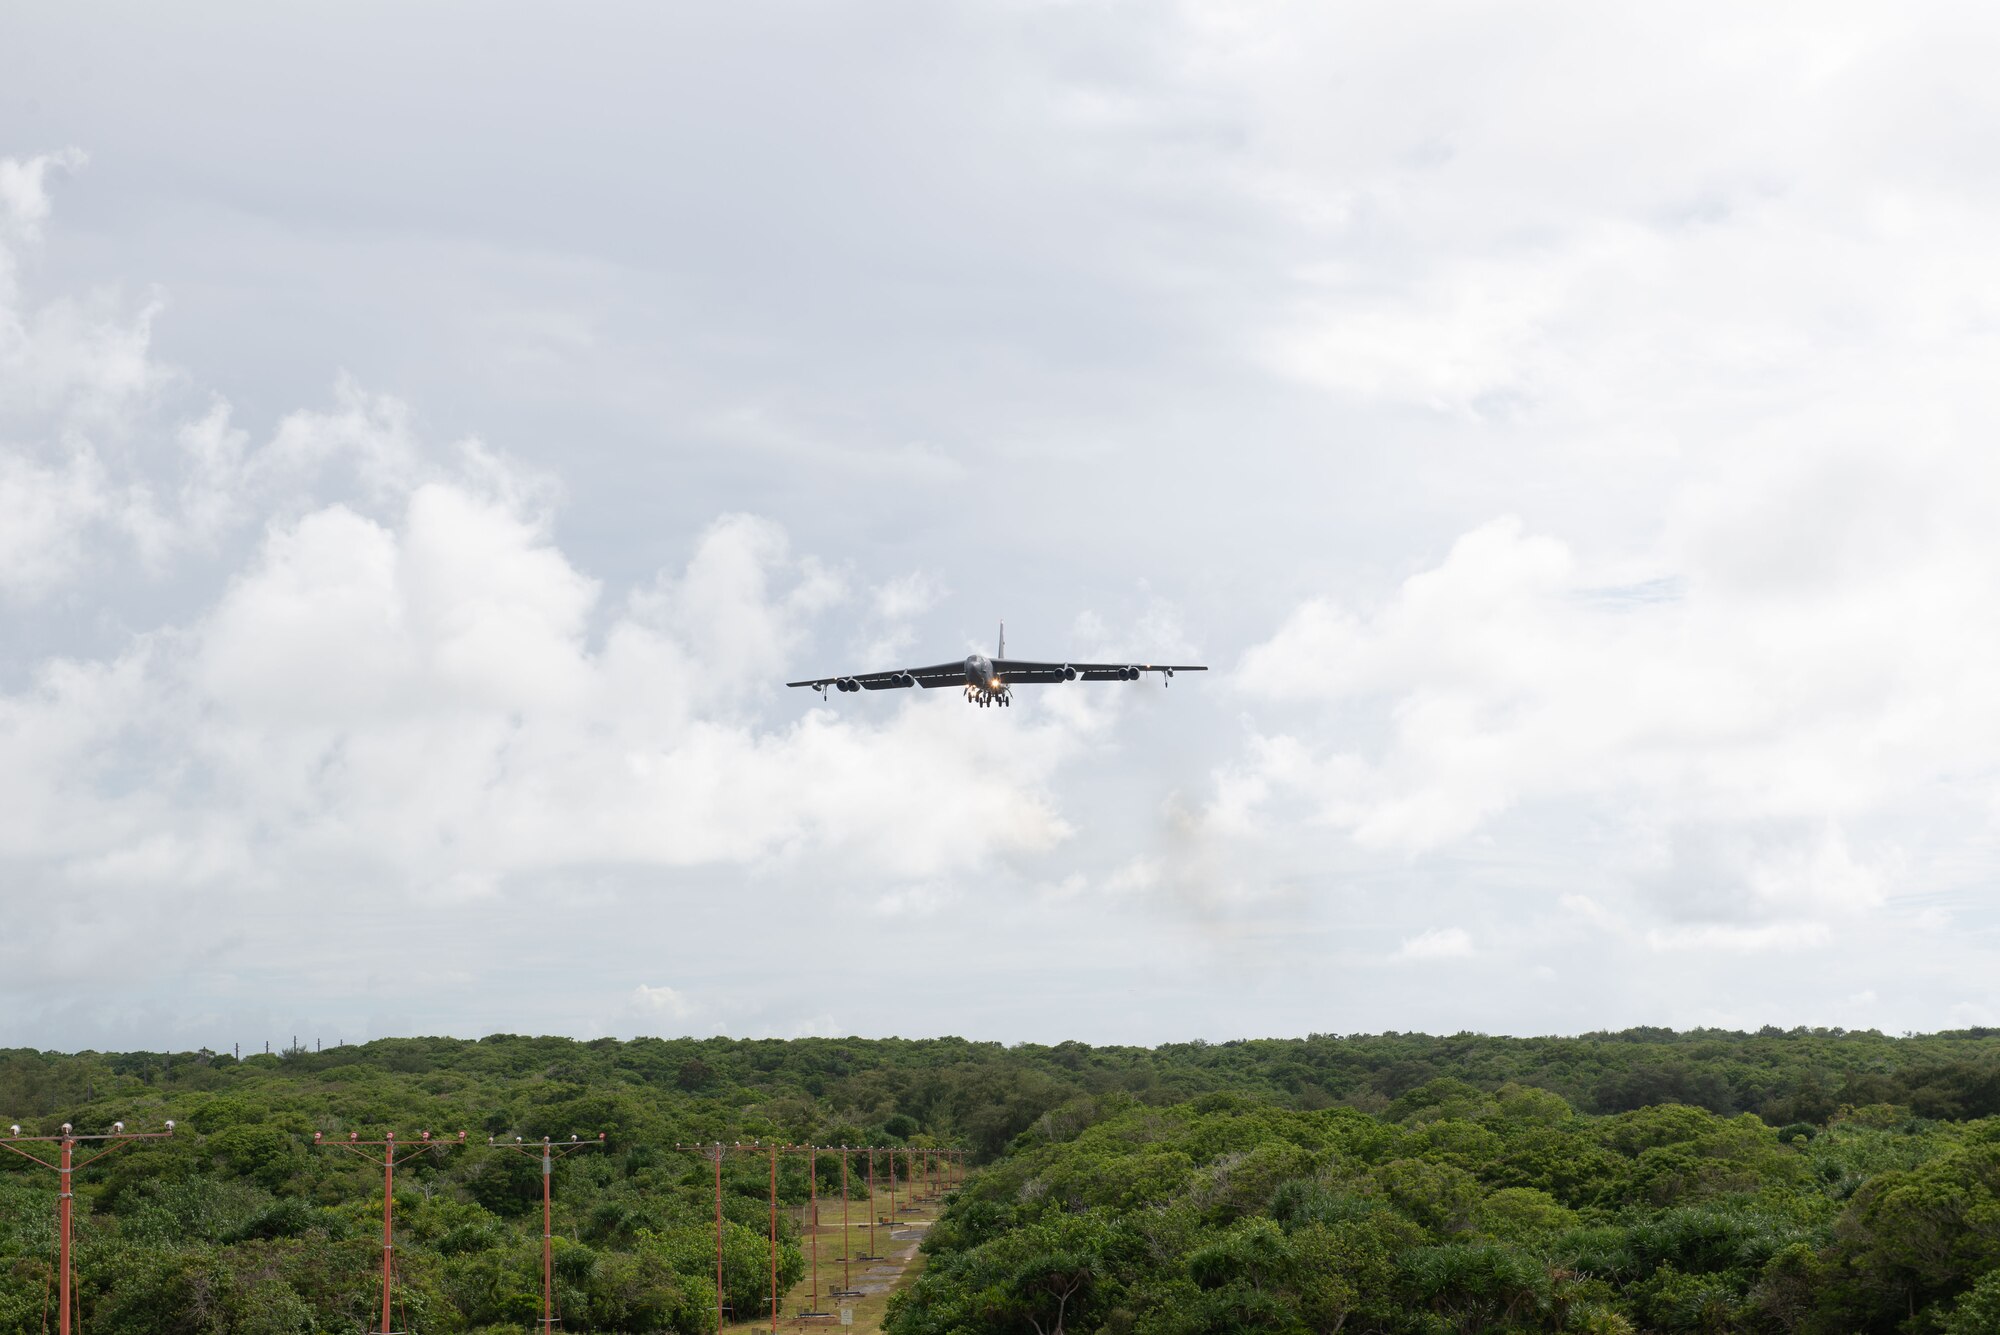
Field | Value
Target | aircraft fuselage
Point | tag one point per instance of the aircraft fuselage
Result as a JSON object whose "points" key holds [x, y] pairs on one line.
{"points": [[982, 686]]}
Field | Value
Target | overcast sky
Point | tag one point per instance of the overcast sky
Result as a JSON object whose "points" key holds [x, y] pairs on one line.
{"points": [[430, 436]]}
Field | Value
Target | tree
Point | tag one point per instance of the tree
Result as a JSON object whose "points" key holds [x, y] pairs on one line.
{"points": [[1044, 1277], [1977, 1311], [1910, 1238]]}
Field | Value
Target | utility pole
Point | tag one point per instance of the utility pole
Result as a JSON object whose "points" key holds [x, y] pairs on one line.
{"points": [[872, 1210], [714, 1153], [388, 1158], [550, 1153], [812, 1312], [65, 1168], [847, 1289]]}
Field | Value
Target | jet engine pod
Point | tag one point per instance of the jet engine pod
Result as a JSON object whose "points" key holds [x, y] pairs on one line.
{"points": [[1131, 674], [849, 684], [1069, 673]]}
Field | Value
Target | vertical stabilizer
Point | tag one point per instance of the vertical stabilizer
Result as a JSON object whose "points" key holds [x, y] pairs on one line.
{"points": [[1003, 641]]}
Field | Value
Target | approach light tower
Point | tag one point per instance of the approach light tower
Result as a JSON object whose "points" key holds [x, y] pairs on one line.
{"points": [[714, 1152], [65, 1167], [388, 1158], [549, 1153]]}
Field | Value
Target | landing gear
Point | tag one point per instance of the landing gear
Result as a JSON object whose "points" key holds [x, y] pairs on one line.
{"points": [[986, 697]]}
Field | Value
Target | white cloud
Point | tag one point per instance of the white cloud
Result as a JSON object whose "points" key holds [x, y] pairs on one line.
{"points": [[74, 376], [43, 514], [1506, 675], [1138, 876], [88, 481], [24, 195], [429, 690], [907, 596], [894, 606], [1440, 943], [661, 1002]]}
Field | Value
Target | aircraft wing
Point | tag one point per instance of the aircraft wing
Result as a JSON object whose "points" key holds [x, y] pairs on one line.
{"points": [[1012, 670], [943, 674]]}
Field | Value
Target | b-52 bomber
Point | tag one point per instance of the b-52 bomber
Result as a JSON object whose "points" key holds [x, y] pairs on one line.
{"points": [[991, 681]]}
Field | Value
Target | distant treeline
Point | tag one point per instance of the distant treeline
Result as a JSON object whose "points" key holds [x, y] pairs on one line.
{"points": [[239, 1225], [982, 1095]]}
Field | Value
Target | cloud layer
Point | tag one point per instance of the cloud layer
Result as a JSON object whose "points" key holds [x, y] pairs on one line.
{"points": [[1566, 433]]}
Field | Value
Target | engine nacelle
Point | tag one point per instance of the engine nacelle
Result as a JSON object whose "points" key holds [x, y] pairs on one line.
{"points": [[849, 684], [1131, 674], [1069, 673]]}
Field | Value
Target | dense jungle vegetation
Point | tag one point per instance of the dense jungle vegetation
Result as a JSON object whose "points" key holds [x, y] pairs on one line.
{"points": [[1820, 1182]]}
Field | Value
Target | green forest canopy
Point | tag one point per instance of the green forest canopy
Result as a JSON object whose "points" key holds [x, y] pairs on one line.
{"points": [[1635, 1181]]}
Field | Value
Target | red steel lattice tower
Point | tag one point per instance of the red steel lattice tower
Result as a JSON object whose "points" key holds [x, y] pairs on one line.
{"points": [[65, 1167], [388, 1159], [549, 1153]]}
